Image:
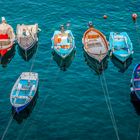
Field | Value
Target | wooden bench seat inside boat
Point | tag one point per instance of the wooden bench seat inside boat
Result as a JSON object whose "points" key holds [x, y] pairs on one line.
{"points": [[5, 42], [65, 47], [92, 36]]}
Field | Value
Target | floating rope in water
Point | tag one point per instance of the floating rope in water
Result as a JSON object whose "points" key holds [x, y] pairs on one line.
{"points": [[108, 102], [107, 99], [8, 125]]}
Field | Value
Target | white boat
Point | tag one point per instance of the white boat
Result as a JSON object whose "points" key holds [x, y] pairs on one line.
{"points": [[24, 90], [27, 37]]}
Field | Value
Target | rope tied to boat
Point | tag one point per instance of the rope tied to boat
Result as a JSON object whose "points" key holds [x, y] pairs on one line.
{"points": [[107, 99], [108, 102]]}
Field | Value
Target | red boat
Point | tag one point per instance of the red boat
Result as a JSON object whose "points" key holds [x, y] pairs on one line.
{"points": [[7, 37]]}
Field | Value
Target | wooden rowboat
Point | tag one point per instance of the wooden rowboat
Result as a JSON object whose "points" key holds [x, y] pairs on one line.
{"points": [[27, 38], [95, 44], [24, 90]]}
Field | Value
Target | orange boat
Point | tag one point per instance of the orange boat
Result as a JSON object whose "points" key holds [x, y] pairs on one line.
{"points": [[95, 44], [7, 37]]}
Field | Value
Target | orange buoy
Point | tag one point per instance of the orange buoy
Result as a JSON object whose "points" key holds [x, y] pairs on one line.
{"points": [[134, 16], [105, 17]]}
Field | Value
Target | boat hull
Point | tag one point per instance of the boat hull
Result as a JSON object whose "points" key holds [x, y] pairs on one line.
{"points": [[64, 63], [27, 54], [95, 44], [135, 83], [121, 66], [22, 108], [64, 55], [96, 59], [122, 57], [120, 46], [5, 51], [6, 59], [95, 65]]}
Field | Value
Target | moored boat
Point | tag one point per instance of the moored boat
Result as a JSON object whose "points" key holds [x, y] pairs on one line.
{"points": [[24, 90], [27, 37], [95, 44], [121, 46], [135, 82], [7, 37], [63, 42]]}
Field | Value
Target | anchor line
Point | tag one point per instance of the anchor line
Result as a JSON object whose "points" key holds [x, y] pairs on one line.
{"points": [[108, 102], [57, 75], [7, 127]]}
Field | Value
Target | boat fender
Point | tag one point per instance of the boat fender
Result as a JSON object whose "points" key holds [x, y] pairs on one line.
{"points": [[39, 30], [134, 16], [111, 53], [132, 89]]}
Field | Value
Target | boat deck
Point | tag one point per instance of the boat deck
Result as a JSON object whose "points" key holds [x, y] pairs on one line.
{"points": [[95, 44], [24, 92]]}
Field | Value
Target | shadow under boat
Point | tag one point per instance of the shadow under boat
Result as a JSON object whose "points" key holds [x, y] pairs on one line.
{"points": [[135, 102], [98, 67], [64, 63], [121, 66], [28, 54], [24, 114], [6, 59]]}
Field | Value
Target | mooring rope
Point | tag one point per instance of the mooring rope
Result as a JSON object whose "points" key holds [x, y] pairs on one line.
{"points": [[57, 75], [107, 99], [107, 96], [7, 127]]}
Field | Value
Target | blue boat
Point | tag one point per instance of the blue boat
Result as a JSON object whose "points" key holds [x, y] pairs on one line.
{"points": [[121, 46], [24, 90], [135, 82], [63, 42]]}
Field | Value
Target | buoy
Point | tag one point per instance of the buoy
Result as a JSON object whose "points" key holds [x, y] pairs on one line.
{"points": [[105, 17], [134, 16]]}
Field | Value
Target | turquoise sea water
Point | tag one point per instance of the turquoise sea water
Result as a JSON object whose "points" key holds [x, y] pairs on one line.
{"points": [[71, 104]]}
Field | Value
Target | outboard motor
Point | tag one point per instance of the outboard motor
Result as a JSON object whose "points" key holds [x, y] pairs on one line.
{"points": [[62, 29], [90, 24]]}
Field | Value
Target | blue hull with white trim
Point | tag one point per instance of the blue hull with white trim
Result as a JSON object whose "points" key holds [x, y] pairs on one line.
{"points": [[121, 46]]}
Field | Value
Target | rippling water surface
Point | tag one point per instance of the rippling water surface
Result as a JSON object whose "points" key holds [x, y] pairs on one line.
{"points": [[71, 104]]}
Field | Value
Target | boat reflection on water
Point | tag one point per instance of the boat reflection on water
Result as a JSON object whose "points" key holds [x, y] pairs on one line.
{"points": [[64, 63], [95, 65], [121, 66], [28, 54], [24, 114], [135, 102], [6, 59]]}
